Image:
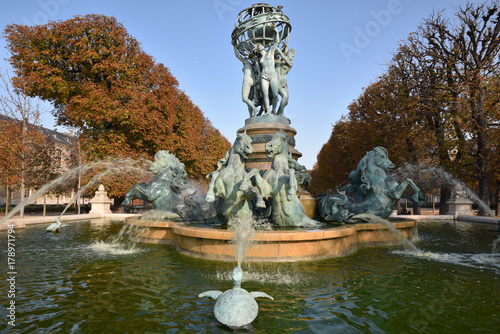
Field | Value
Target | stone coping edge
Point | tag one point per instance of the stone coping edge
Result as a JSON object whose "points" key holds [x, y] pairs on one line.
{"points": [[269, 246], [33, 220]]}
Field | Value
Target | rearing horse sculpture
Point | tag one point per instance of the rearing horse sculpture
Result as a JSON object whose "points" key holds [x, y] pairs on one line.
{"points": [[230, 185], [164, 191], [375, 191], [280, 184]]}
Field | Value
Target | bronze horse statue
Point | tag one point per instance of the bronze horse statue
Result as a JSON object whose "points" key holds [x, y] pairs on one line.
{"points": [[229, 184], [375, 190], [164, 191], [280, 184]]}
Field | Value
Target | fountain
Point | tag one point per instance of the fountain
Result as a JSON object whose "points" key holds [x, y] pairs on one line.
{"points": [[106, 167], [89, 284], [54, 227], [259, 179], [78, 281]]}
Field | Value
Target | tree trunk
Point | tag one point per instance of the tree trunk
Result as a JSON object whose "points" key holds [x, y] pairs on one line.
{"points": [[444, 197], [7, 199], [481, 127], [416, 209], [117, 206], [23, 168], [78, 209], [497, 199], [21, 198], [79, 177], [398, 206], [44, 204], [433, 204]]}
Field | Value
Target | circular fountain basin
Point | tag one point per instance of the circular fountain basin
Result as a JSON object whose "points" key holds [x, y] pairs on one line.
{"points": [[91, 279], [269, 246]]}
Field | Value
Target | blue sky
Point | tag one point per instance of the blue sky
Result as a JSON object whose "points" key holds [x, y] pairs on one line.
{"points": [[341, 47]]}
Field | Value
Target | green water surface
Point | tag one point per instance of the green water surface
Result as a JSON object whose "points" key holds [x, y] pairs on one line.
{"points": [[78, 282]]}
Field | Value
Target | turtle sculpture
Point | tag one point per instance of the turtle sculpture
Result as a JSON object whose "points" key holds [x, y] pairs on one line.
{"points": [[54, 227], [235, 308]]}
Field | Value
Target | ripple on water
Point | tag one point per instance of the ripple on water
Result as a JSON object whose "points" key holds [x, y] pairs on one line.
{"points": [[103, 247], [269, 276], [481, 261]]}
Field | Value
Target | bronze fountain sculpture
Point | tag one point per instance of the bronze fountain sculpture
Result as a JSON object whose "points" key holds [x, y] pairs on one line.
{"points": [[259, 177]]}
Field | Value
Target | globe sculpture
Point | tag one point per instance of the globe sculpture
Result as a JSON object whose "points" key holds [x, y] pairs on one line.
{"points": [[260, 40], [255, 25]]}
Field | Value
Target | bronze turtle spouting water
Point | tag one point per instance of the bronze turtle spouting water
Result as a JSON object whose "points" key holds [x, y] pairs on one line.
{"points": [[54, 227], [235, 308]]}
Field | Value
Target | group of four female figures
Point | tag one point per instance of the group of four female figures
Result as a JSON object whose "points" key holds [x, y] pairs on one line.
{"points": [[264, 78]]}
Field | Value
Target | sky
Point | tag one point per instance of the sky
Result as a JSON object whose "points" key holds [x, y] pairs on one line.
{"points": [[341, 47]]}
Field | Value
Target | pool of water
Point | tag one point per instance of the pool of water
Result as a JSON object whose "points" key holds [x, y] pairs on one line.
{"points": [[78, 281]]}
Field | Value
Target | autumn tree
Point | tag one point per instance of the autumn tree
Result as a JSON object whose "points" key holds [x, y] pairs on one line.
{"points": [[334, 162], [26, 157], [104, 85], [9, 136], [437, 103], [383, 115]]}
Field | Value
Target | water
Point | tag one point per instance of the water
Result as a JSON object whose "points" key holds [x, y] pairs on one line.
{"points": [[243, 230], [436, 175], [106, 168], [394, 232], [496, 245], [430, 176], [79, 282]]}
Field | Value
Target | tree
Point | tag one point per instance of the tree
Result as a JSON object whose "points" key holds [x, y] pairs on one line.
{"points": [[334, 162], [471, 46], [104, 85], [9, 136], [437, 103], [27, 156]]}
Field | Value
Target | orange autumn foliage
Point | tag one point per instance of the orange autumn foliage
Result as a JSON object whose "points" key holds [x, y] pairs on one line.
{"points": [[102, 83]]}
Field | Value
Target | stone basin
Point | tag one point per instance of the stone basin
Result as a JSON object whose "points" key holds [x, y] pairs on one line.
{"points": [[269, 246]]}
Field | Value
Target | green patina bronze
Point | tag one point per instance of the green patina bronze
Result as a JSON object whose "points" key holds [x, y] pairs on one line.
{"points": [[228, 183], [235, 308], [374, 191], [164, 191], [260, 40], [280, 184]]}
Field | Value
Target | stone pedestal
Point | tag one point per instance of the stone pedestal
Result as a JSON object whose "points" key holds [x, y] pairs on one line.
{"points": [[308, 202], [459, 204], [261, 129], [101, 203]]}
